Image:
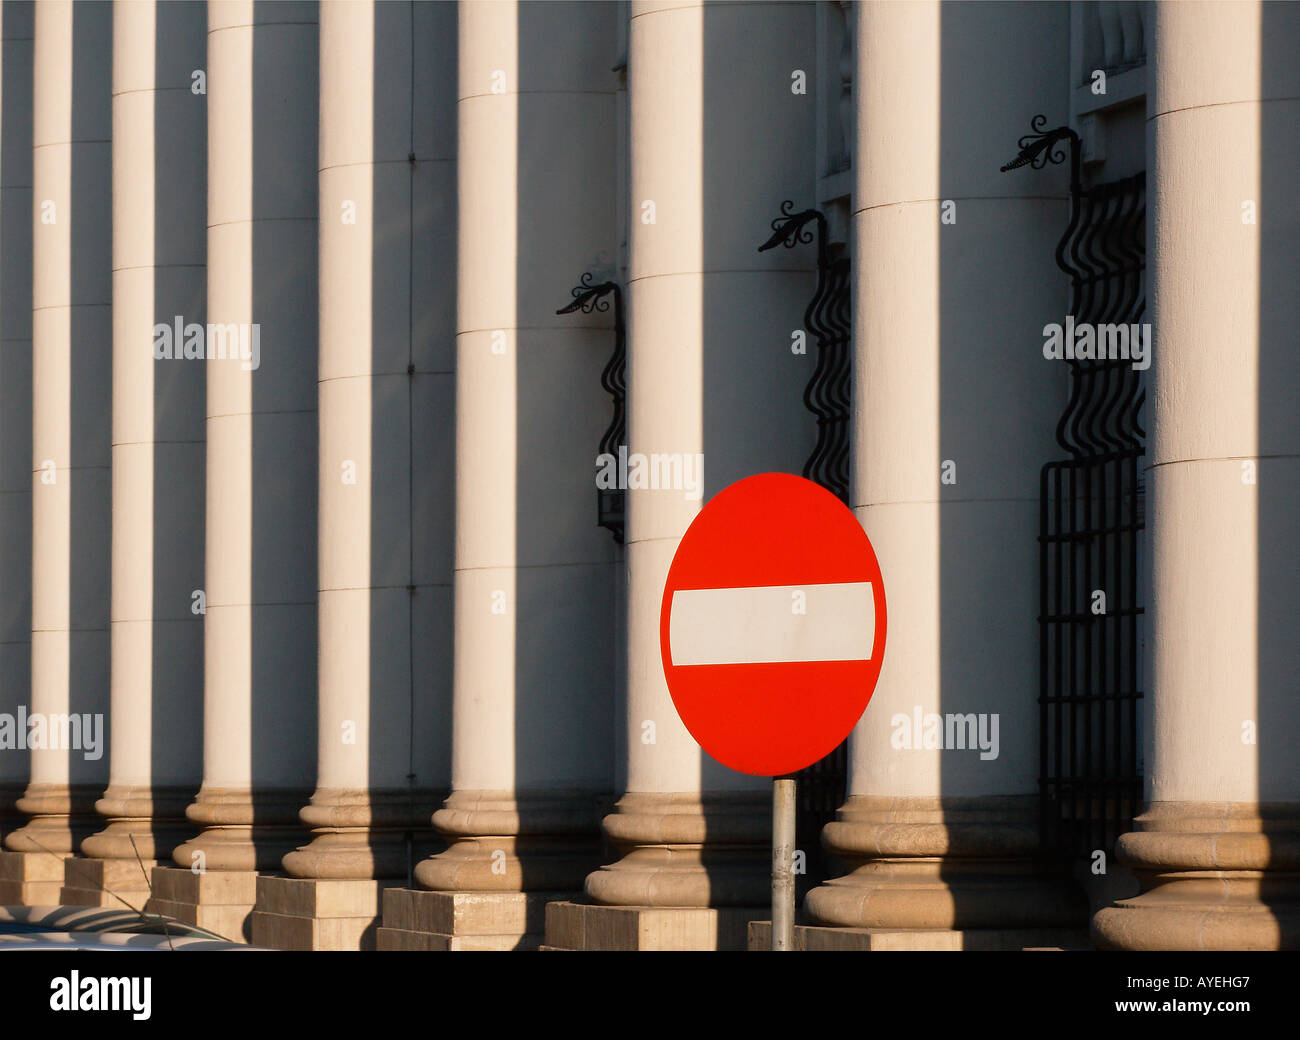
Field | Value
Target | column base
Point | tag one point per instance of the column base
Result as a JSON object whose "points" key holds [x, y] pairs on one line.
{"points": [[58, 818], [31, 878], [943, 864], [116, 883], [503, 841], [1213, 876], [243, 830], [416, 920], [143, 822], [317, 914], [815, 937], [221, 901], [360, 835], [687, 850], [585, 926]]}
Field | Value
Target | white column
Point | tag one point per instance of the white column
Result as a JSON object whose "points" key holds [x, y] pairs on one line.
{"points": [[159, 157], [532, 759], [16, 29], [259, 730], [718, 140], [71, 380], [1216, 849], [387, 435], [954, 413]]}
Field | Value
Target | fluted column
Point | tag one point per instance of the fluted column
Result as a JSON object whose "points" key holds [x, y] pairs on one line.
{"points": [[532, 759], [953, 416], [71, 380], [157, 538], [711, 377], [387, 334], [259, 730], [16, 29], [1217, 849]]}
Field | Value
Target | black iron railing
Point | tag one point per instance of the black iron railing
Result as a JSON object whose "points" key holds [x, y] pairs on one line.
{"points": [[1090, 526], [610, 502], [829, 320]]}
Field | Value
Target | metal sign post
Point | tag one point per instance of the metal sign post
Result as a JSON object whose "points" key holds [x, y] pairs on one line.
{"points": [[783, 808]]}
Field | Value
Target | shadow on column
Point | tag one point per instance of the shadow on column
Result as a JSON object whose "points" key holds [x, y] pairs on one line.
{"points": [[179, 403], [15, 394], [1278, 492], [282, 686], [412, 464], [759, 147], [90, 404], [997, 288], [563, 753]]}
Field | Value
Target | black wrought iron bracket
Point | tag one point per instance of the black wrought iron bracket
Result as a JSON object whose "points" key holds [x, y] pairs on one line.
{"points": [[1039, 147], [791, 229], [827, 318], [610, 502]]}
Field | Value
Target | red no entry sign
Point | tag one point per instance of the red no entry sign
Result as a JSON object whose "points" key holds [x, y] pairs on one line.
{"points": [[772, 627]]}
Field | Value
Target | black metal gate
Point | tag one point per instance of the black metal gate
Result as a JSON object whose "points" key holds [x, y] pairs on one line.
{"points": [[1091, 519]]}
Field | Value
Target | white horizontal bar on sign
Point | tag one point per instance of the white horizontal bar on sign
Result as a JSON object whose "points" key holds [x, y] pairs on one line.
{"points": [[771, 623]]}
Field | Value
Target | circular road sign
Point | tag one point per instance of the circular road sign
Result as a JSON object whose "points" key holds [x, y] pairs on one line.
{"points": [[772, 628]]}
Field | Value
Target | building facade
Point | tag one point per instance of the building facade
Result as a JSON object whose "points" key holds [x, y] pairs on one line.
{"points": [[363, 364]]}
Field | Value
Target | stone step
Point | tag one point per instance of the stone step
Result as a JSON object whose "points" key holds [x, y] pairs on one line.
{"points": [[401, 939], [815, 937], [468, 913], [583, 926]]}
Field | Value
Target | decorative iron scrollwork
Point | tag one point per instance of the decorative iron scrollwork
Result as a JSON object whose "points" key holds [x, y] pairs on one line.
{"points": [[829, 320], [588, 297], [610, 502], [1037, 148], [790, 229]]}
